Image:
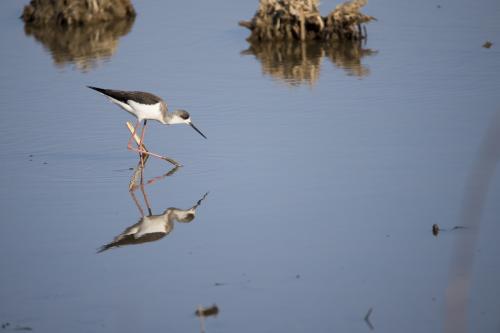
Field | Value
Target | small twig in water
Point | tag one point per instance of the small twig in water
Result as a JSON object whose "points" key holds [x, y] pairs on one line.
{"points": [[458, 227], [202, 318], [436, 229], [367, 319]]}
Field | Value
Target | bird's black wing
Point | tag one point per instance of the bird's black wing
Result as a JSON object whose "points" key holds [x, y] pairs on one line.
{"points": [[125, 96], [131, 240]]}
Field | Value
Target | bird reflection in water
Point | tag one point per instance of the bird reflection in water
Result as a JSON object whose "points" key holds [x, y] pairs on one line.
{"points": [[150, 227], [297, 63]]}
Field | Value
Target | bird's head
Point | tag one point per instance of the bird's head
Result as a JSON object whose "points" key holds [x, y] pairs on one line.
{"points": [[183, 117]]}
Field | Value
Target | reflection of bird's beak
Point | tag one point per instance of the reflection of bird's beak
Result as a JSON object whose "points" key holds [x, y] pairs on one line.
{"points": [[197, 130], [199, 201]]}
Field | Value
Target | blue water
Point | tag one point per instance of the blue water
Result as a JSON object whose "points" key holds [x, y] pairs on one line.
{"points": [[322, 188]]}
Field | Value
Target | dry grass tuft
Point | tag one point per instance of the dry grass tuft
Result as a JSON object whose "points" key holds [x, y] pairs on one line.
{"points": [[301, 20], [76, 12]]}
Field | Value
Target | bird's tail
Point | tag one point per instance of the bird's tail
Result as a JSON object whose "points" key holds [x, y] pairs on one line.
{"points": [[97, 89]]}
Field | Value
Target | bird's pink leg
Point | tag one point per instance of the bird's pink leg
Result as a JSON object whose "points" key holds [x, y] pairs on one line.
{"points": [[142, 149], [141, 146], [148, 153], [165, 158]]}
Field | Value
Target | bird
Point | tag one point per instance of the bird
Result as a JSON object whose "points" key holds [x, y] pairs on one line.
{"points": [[151, 228], [146, 106]]}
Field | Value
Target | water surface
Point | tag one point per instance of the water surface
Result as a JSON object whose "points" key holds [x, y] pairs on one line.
{"points": [[325, 171]]}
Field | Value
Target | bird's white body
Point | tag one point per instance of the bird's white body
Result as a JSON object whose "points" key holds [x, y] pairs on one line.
{"points": [[141, 111], [144, 111]]}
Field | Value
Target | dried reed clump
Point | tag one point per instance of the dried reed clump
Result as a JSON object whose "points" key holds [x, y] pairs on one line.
{"points": [[83, 46], [297, 63], [301, 20], [76, 12]]}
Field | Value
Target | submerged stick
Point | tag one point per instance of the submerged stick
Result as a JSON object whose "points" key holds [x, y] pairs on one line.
{"points": [[202, 319], [136, 137]]}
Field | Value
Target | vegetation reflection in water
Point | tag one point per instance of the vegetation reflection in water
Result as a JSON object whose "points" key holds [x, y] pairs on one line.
{"points": [[150, 227], [296, 63], [83, 46]]}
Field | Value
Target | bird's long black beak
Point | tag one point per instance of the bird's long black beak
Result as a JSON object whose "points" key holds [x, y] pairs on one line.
{"points": [[197, 130]]}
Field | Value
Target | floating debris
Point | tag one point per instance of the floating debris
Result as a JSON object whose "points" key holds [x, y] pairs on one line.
{"points": [[8, 326], [202, 312], [301, 20], [207, 312], [435, 229], [487, 44]]}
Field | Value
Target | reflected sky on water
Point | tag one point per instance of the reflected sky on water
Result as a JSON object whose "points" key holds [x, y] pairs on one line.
{"points": [[322, 196]]}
